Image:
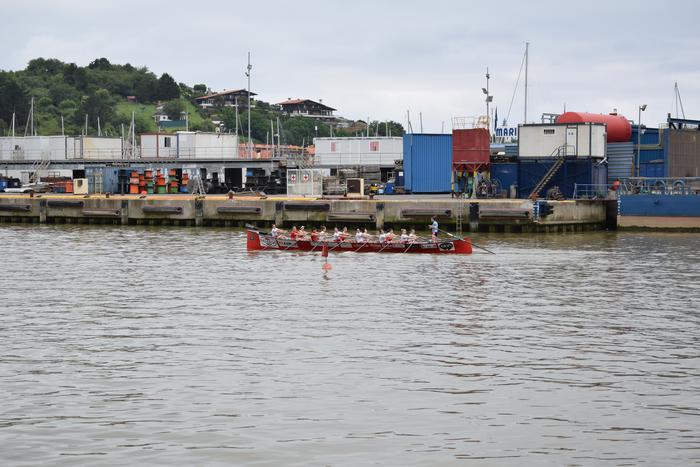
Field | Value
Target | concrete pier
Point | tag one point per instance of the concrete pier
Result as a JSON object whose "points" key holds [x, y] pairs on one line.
{"points": [[483, 215]]}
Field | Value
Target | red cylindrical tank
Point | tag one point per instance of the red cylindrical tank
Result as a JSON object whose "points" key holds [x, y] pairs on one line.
{"points": [[619, 128]]}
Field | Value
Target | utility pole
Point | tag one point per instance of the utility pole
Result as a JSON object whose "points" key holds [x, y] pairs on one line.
{"points": [[250, 141]]}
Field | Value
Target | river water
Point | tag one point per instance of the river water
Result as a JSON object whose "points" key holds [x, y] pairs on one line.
{"points": [[142, 346]]}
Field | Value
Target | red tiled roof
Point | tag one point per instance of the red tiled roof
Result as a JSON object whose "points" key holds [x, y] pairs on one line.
{"points": [[301, 101], [224, 93]]}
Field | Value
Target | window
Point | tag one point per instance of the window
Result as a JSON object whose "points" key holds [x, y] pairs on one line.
{"points": [[549, 131], [333, 146], [374, 146], [166, 142]]}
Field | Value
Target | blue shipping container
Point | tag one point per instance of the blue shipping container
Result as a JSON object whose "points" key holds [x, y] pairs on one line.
{"points": [[505, 174], [427, 163], [574, 171]]}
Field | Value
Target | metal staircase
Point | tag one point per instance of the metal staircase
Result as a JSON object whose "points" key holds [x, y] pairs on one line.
{"points": [[561, 153], [37, 167]]}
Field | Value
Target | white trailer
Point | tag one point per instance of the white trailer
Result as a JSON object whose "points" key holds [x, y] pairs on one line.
{"points": [[544, 140], [213, 146], [357, 151], [31, 148], [158, 146]]}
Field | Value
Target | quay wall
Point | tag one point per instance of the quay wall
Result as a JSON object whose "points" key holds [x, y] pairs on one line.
{"points": [[502, 215]]}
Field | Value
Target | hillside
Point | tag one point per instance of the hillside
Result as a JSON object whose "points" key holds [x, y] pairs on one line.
{"points": [[104, 92]]}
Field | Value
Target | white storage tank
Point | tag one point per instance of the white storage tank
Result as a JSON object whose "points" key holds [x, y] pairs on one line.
{"points": [[544, 140], [358, 151]]}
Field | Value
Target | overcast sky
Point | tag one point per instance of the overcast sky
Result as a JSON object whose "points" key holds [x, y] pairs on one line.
{"points": [[378, 59]]}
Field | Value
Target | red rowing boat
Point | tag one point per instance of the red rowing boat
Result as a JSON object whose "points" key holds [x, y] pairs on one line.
{"points": [[259, 241]]}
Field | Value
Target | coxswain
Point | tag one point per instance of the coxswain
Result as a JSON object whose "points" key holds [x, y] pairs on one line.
{"points": [[434, 228], [275, 232]]}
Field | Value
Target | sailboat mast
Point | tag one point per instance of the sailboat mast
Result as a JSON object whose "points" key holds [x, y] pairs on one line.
{"points": [[527, 47]]}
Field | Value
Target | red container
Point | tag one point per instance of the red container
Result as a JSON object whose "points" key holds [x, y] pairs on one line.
{"points": [[471, 148], [619, 128]]}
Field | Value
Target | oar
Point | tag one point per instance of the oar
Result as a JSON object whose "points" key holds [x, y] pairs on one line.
{"points": [[252, 227], [479, 247]]}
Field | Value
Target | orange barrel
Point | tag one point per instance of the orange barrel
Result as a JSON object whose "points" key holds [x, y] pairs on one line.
{"points": [[160, 181], [134, 189], [69, 186], [134, 173], [148, 173]]}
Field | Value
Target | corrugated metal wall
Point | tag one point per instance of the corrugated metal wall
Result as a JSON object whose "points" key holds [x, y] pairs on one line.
{"points": [[574, 171], [427, 163], [684, 153], [471, 146], [620, 161]]}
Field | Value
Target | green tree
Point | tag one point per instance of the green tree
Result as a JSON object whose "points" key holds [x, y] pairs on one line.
{"points": [[167, 88], [206, 126], [174, 108], [42, 66], [146, 88], [227, 115], [12, 99], [99, 104], [100, 64], [380, 128], [199, 90]]}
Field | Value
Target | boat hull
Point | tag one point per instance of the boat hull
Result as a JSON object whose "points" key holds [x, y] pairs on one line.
{"points": [[262, 242]]}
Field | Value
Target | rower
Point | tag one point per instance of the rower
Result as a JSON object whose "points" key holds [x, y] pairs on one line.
{"points": [[389, 237], [314, 235], [404, 236], [293, 234], [381, 236], [359, 236], [434, 228], [301, 234], [412, 236], [337, 236]]}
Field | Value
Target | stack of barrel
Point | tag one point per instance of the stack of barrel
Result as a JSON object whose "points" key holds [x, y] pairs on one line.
{"points": [[148, 176], [161, 188], [185, 182], [172, 177], [134, 182]]}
